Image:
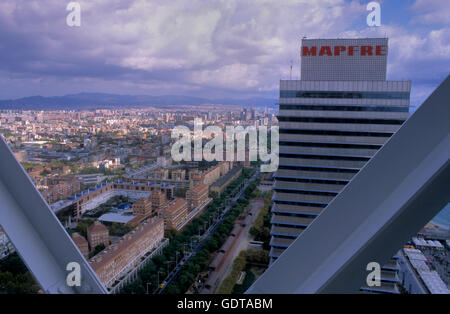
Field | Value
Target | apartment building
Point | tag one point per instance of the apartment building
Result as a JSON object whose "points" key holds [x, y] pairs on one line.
{"points": [[124, 255], [142, 207], [175, 213], [81, 243], [197, 195], [97, 234], [158, 199]]}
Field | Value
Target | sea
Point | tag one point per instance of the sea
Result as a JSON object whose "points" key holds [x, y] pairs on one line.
{"points": [[443, 218]]}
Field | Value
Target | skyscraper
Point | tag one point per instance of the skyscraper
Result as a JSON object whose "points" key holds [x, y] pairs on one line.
{"points": [[332, 122]]}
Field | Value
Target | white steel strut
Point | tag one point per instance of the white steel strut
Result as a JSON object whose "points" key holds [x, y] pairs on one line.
{"points": [[399, 191], [38, 236]]}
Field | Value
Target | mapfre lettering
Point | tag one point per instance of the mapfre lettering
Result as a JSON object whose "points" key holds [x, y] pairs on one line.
{"points": [[314, 51]]}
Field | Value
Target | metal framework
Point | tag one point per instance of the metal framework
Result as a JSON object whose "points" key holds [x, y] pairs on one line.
{"points": [[393, 196], [38, 236], [402, 188]]}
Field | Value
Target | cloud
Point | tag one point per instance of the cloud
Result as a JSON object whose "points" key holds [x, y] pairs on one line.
{"points": [[431, 11], [420, 56], [244, 45], [205, 48]]}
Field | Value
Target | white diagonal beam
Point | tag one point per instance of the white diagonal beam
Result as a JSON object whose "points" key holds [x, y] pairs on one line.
{"points": [[38, 236], [400, 190]]}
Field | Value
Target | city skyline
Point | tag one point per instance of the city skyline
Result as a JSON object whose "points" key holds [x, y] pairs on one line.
{"points": [[216, 50]]}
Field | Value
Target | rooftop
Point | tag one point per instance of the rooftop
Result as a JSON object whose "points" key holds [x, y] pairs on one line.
{"points": [[224, 179], [97, 227], [124, 243], [116, 217], [79, 239], [175, 205]]}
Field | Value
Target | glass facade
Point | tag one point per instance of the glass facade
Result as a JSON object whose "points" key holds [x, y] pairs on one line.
{"points": [[318, 157], [344, 108], [343, 95]]}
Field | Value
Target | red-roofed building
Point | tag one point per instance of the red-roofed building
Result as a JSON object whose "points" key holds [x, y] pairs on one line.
{"points": [[158, 199], [175, 213], [97, 234], [142, 207], [197, 196], [124, 255], [81, 243]]}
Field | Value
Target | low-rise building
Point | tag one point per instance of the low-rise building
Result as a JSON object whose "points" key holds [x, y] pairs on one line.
{"points": [[142, 207], [124, 255], [81, 243], [175, 213], [220, 185], [161, 174], [158, 199], [60, 188], [197, 196], [178, 174], [97, 234]]}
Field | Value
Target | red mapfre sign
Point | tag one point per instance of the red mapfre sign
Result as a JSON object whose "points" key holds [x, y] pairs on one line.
{"points": [[330, 51]]}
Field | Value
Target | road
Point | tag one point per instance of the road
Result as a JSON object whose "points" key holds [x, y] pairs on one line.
{"points": [[240, 243], [208, 234]]}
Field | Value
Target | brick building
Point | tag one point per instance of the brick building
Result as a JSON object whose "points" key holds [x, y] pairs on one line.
{"points": [[161, 174], [178, 174], [158, 199], [175, 213], [97, 234], [124, 255], [196, 195], [142, 207], [60, 188], [81, 243]]}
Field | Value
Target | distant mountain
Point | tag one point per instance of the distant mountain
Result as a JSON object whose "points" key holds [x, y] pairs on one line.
{"points": [[103, 101]]}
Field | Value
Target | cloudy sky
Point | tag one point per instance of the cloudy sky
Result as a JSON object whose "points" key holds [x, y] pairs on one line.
{"points": [[208, 48]]}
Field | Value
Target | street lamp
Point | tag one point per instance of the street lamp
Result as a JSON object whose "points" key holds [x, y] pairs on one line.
{"points": [[158, 278], [149, 283]]}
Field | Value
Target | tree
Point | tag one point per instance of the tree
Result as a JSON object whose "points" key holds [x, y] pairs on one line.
{"points": [[82, 229], [15, 277], [74, 168], [45, 173], [171, 233], [13, 264], [119, 230], [258, 256], [147, 273], [136, 287], [173, 289], [159, 260], [19, 284], [97, 249], [212, 245]]}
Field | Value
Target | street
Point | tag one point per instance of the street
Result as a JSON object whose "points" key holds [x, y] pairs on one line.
{"points": [[206, 235]]}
